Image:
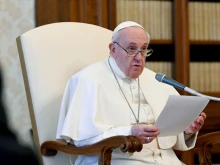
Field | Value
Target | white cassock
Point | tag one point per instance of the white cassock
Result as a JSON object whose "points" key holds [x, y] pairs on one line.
{"points": [[94, 108]]}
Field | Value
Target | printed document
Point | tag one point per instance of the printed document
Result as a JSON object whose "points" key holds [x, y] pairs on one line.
{"points": [[178, 113]]}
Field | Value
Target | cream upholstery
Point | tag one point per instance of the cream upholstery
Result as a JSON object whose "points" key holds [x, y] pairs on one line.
{"points": [[49, 55]]}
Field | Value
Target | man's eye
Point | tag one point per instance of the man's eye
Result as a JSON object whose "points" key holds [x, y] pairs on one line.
{"points": [[131, 48], [144, 48]]}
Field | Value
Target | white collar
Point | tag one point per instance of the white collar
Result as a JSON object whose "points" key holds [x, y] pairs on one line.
{"points": [[117, 71], [116, 68]]}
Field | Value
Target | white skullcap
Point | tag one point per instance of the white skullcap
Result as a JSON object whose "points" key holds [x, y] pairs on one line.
{"points": [[125, 25]]}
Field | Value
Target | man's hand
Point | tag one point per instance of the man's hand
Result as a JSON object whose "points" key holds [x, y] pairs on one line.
{"points": [[196, 125], [146, 133]]}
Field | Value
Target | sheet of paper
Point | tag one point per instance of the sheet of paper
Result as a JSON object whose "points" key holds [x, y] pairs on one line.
{"points": [[178, 113]]}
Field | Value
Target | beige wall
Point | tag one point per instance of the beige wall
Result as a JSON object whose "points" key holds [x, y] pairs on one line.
{"points": [[16, 17]]}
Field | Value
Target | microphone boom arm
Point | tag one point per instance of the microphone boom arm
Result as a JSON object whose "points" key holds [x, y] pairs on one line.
{"points": [[189, 90], [164, 79]]}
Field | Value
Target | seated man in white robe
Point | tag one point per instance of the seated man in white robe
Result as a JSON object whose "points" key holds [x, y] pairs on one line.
{"points": [[118, 96]]}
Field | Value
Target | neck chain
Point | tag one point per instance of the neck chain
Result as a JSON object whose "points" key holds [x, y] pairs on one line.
{"points": [[136, 118]]}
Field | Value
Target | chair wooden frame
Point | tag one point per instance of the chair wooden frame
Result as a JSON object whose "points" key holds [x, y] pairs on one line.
{"points": [[204, 145], [104, 148], [203, 149], [131, 144]]}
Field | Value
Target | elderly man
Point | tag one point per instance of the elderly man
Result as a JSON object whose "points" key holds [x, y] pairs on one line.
{"points": [[118, 96]]}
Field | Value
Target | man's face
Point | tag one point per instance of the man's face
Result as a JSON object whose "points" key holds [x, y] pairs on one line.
{"points": [[130, 38]]}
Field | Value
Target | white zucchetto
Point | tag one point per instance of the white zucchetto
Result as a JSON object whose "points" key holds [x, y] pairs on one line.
{"points": [[125, 25], [129, 24]]}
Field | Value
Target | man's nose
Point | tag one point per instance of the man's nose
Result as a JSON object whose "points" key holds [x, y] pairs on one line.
{"points": [[138, 55]]}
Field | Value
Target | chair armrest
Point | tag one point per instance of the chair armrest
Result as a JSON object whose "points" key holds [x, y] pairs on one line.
{"points": [[209, 138], [104, 147], [204, 145]]}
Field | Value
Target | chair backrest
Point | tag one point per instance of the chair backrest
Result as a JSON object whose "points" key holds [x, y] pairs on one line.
{"points": [[49, 56]]}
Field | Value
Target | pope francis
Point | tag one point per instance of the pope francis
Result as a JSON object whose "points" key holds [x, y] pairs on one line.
{"points": [[118, 96]]}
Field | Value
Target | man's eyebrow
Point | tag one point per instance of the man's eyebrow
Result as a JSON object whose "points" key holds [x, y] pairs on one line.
{"points": [[133, 43]]}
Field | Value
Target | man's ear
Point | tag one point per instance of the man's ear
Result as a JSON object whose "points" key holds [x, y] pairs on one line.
{"points": [[112, 49]]}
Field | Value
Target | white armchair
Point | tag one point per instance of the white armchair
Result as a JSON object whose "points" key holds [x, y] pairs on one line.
{"points": [[49, 56]]}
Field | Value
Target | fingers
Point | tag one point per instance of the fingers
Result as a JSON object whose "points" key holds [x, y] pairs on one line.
{"points": [[200, 119], [193, 129], [203, 115], [150, 128], [148, 133], [145, 132], [140, 129], [196, 125], [148, 140]]}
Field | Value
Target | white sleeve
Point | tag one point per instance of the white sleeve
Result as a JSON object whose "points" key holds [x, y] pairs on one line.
{"points": [[115, 131], [183, 144], [187, 136]]}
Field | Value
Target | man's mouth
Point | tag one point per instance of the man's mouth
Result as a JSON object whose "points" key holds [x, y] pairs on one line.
{"points": [[137, 65]]}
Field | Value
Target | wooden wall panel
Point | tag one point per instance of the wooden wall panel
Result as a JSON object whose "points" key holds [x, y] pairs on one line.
{"points": [[181, 40], [111, 14], [50, 11], [97, 12]]}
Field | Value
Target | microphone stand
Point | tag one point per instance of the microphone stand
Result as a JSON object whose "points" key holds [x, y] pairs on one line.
{"points": [[189, 90], [162, 78]]}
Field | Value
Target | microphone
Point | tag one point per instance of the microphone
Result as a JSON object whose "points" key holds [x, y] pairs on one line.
{"points": [[164, 79]]}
